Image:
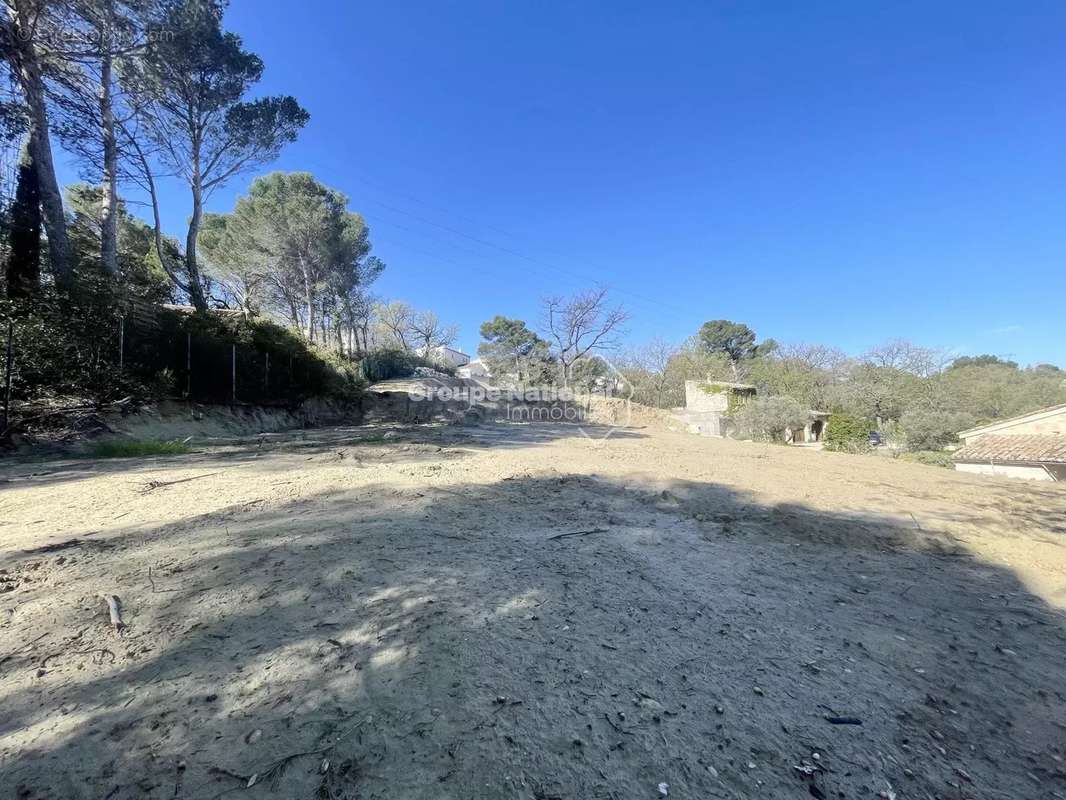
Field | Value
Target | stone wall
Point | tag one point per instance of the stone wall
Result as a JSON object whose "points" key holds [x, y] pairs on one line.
{"points": [[699, 399]]}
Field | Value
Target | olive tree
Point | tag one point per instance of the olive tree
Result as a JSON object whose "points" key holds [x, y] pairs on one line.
{"points": [[770, 418]]}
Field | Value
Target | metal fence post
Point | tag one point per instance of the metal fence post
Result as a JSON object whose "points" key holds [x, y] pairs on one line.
{"points": [[266, 375], [121, 342], [9, 360], [233, 370]]}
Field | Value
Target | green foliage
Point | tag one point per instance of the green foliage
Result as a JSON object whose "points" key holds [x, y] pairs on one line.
{"points": [[847, 433], [140, 274], [996, 391], [192, 85], [767, 418], [590, 374], [68, 347], [933, 428], [713, 388], [289, 245], [880, 393], [300, 370], [736, 401], [512, 350], [810, 373], [137, 448], [23, 268], [392, 362], [982, 361], [734, 339], [657, 372], [344, 380], [933, 458]]}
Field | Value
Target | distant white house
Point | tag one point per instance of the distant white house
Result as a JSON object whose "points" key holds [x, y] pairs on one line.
{"points": [[448, 357], [473, 369], [1027, 446]]}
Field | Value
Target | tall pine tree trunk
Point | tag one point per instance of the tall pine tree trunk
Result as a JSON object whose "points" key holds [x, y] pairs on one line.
{"points": [[22, 24], [195, 287], [157, 224], [109, 202], [309, 300]]}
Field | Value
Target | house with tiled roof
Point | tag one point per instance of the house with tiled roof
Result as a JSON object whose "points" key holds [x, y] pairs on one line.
{"points": [[1030, 446]]}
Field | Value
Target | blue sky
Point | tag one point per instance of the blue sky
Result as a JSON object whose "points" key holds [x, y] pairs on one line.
{"points": [[829, 172]]}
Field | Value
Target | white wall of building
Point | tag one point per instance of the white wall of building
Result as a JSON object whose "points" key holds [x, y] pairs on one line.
{"points": [[1007, 470], [448, 356], [475, 369], [700, 399]]}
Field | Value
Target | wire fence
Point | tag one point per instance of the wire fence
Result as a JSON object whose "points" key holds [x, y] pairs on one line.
{"points": [[166, 353]]}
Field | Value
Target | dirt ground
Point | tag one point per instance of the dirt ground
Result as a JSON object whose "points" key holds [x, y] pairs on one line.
{"points": [[400, 612]]}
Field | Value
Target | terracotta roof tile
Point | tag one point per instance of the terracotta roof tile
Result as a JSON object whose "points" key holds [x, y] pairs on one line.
{"points": [[1047, 448]]}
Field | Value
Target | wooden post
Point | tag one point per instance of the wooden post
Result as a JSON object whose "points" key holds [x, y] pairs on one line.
{"points": [[233, 370], [9, 360], [121, 342]]}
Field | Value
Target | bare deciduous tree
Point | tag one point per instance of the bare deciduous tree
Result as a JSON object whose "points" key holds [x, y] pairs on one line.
{"points": [[394, 324], [649, 368], [428, 332], [907, 357], [581, 324], [400, 325]]}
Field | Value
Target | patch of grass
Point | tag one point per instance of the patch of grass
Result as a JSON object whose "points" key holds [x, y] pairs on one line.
{"points": [[138, 447], [934, 458]]}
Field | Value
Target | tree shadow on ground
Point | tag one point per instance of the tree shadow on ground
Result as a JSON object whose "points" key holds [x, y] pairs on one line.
{"points": [[438, 643], [391, 442]]}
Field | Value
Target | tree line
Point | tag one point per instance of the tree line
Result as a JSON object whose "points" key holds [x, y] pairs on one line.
{"points": [[918, 396], [137, 89], [143, 91]]}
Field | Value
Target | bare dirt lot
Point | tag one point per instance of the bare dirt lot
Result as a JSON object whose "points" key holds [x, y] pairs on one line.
{"points": [[399, 612]]}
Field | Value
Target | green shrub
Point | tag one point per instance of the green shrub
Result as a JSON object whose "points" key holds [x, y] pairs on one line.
{"points": [[345, 381], [387, 363], [847, 433], [138, 447], [932, 429], [933, 458], [767, 418], [69, 347]]}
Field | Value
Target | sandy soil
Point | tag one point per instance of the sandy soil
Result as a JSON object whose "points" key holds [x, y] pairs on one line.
{"points": [[384, 612]]}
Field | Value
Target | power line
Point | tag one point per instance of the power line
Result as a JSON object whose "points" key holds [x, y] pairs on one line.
{"points": [[498, 269], [516, 254], [570, 273]]}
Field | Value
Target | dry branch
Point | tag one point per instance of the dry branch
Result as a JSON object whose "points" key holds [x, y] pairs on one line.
{"points": [[577, 533]]}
